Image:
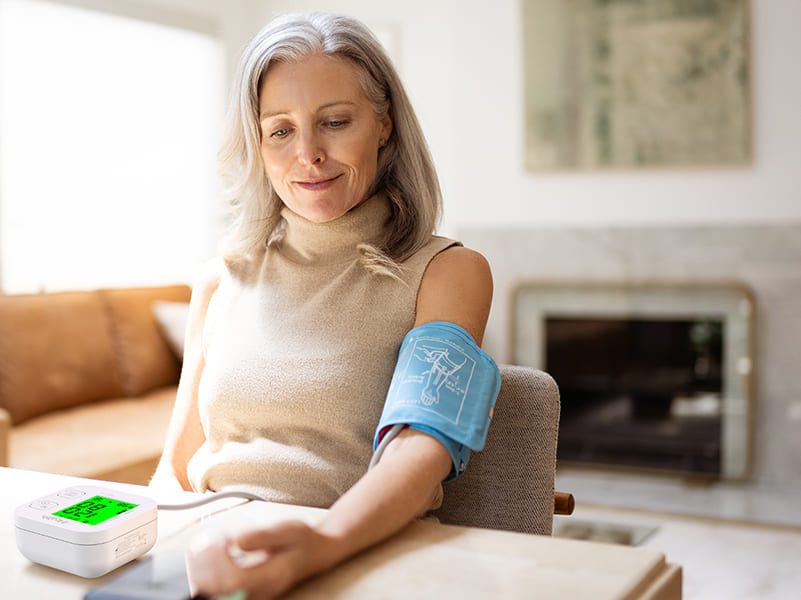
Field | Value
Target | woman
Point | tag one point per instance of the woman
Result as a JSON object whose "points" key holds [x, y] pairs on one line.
{"points": [[292, 338]]}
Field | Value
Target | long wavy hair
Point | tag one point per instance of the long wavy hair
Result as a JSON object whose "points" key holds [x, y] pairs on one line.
{"points": [[406, 173]]}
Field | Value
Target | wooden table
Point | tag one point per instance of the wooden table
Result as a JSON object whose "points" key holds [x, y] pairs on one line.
{"points": [[426, 560]]}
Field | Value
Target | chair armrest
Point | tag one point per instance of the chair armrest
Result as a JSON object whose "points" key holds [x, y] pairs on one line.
{"points": [[5, 428], [563, 503]]}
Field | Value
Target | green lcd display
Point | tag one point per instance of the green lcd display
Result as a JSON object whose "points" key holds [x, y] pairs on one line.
{"points": [[95, 510]]}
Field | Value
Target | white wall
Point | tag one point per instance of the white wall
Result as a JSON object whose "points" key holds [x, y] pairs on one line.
{"points": [[227, 19], [123, 144], [489, 140], [462, 64]]}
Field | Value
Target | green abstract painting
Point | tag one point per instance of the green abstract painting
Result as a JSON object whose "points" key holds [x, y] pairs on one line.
{"points": [[636, 83]]}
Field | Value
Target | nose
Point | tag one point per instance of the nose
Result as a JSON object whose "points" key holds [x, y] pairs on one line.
{"points": [[310, 150]]}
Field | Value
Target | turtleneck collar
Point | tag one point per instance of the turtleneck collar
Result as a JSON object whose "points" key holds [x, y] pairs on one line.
{"points": [[335, 241]]}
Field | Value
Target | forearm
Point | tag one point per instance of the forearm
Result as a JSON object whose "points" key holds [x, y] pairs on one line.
{"points": [[185, 432], [397, 490], [173, 464]]}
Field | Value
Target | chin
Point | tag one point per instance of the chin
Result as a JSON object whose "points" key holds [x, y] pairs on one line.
{"points": [[320, 213], [321, 209], [323, 217]]}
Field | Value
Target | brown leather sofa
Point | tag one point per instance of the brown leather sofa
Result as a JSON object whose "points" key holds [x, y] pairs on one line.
{"points": [[87, 382]]}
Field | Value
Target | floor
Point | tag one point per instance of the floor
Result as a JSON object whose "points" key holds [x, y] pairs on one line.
{"points": [[776, 503], [732, 542]]}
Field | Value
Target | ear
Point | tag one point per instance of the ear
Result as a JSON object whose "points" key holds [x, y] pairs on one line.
{"points": [[386, 126]]}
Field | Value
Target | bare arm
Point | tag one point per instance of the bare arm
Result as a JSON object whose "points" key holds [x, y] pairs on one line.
{"points": [[456, 287], [185, 433]]}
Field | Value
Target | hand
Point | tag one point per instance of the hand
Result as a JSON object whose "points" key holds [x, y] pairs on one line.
{"points": [[291, 551]]}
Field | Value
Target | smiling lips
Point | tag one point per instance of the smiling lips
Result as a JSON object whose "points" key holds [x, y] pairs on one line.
{"points": [[317, 184]]}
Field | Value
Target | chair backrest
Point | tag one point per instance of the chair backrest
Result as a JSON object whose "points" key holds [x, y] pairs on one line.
{"points": [[510, 484]]}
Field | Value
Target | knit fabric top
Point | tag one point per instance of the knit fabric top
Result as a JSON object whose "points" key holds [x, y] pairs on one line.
{"points": [[299, 350]]}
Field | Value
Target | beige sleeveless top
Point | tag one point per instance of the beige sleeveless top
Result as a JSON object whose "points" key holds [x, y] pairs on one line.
{"points": [[300, 351]]}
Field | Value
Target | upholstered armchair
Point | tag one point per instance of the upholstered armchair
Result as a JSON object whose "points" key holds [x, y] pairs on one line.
{"points": [[510, 484]]}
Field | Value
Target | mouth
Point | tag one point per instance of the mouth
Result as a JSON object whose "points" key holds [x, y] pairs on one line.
{"points": [[317, 184]]}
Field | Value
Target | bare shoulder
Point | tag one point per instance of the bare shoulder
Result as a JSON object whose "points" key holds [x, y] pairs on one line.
{"points": [[456, 287]]}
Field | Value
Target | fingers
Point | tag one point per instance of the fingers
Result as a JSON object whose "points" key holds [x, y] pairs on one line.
{"points": [[214, 568], [281, 556], [269, 579], [209, 566], [288, 545]]}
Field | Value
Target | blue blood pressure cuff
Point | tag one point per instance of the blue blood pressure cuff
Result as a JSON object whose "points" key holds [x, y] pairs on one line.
{"points": [[444, 385]]}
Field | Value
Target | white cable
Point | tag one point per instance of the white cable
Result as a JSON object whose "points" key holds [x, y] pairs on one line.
{"points": [[390, 435], [211, 498]]}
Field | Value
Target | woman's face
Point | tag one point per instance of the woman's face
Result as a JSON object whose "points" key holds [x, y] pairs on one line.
{"points": [[320, 136]]}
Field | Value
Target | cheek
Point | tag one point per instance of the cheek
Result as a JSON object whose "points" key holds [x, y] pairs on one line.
{"points": [[371, 159], [273, 162], [365, 153]]}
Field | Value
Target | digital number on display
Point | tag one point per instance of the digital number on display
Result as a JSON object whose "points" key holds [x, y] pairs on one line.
{"points": [[95, 510]]}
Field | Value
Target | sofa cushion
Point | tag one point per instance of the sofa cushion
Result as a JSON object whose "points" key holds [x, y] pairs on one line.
{"points": [[94, 440], [145, 359], [55, 352]]}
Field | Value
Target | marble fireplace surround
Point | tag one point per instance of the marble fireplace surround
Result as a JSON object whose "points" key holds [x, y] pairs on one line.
{"points": [[731, 305], [767, 259]]}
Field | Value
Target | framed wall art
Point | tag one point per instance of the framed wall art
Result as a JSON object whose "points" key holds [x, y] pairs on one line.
{"points": [[636, 83]]}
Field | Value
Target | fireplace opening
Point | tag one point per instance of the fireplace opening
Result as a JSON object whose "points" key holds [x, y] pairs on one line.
{"points": [[655, 375], [639, 392]]}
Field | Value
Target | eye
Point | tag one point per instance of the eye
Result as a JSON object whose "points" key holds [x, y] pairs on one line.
{"points": [[337, 123], [280, 133]]}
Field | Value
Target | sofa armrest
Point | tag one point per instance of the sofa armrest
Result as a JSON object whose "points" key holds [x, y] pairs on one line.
{"points": [[5, 428]]}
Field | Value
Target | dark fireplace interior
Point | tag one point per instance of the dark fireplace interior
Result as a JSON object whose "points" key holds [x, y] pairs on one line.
{"points": [[639, 393]]}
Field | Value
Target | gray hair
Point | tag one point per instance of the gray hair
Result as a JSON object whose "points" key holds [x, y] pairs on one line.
{"points": [[406, 173]]}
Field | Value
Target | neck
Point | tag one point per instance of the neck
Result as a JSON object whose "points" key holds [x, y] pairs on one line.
{"points": [[335, 241]]}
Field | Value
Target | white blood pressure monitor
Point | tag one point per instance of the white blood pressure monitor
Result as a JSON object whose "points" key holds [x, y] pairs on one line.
{"points": [[86, 530]]}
